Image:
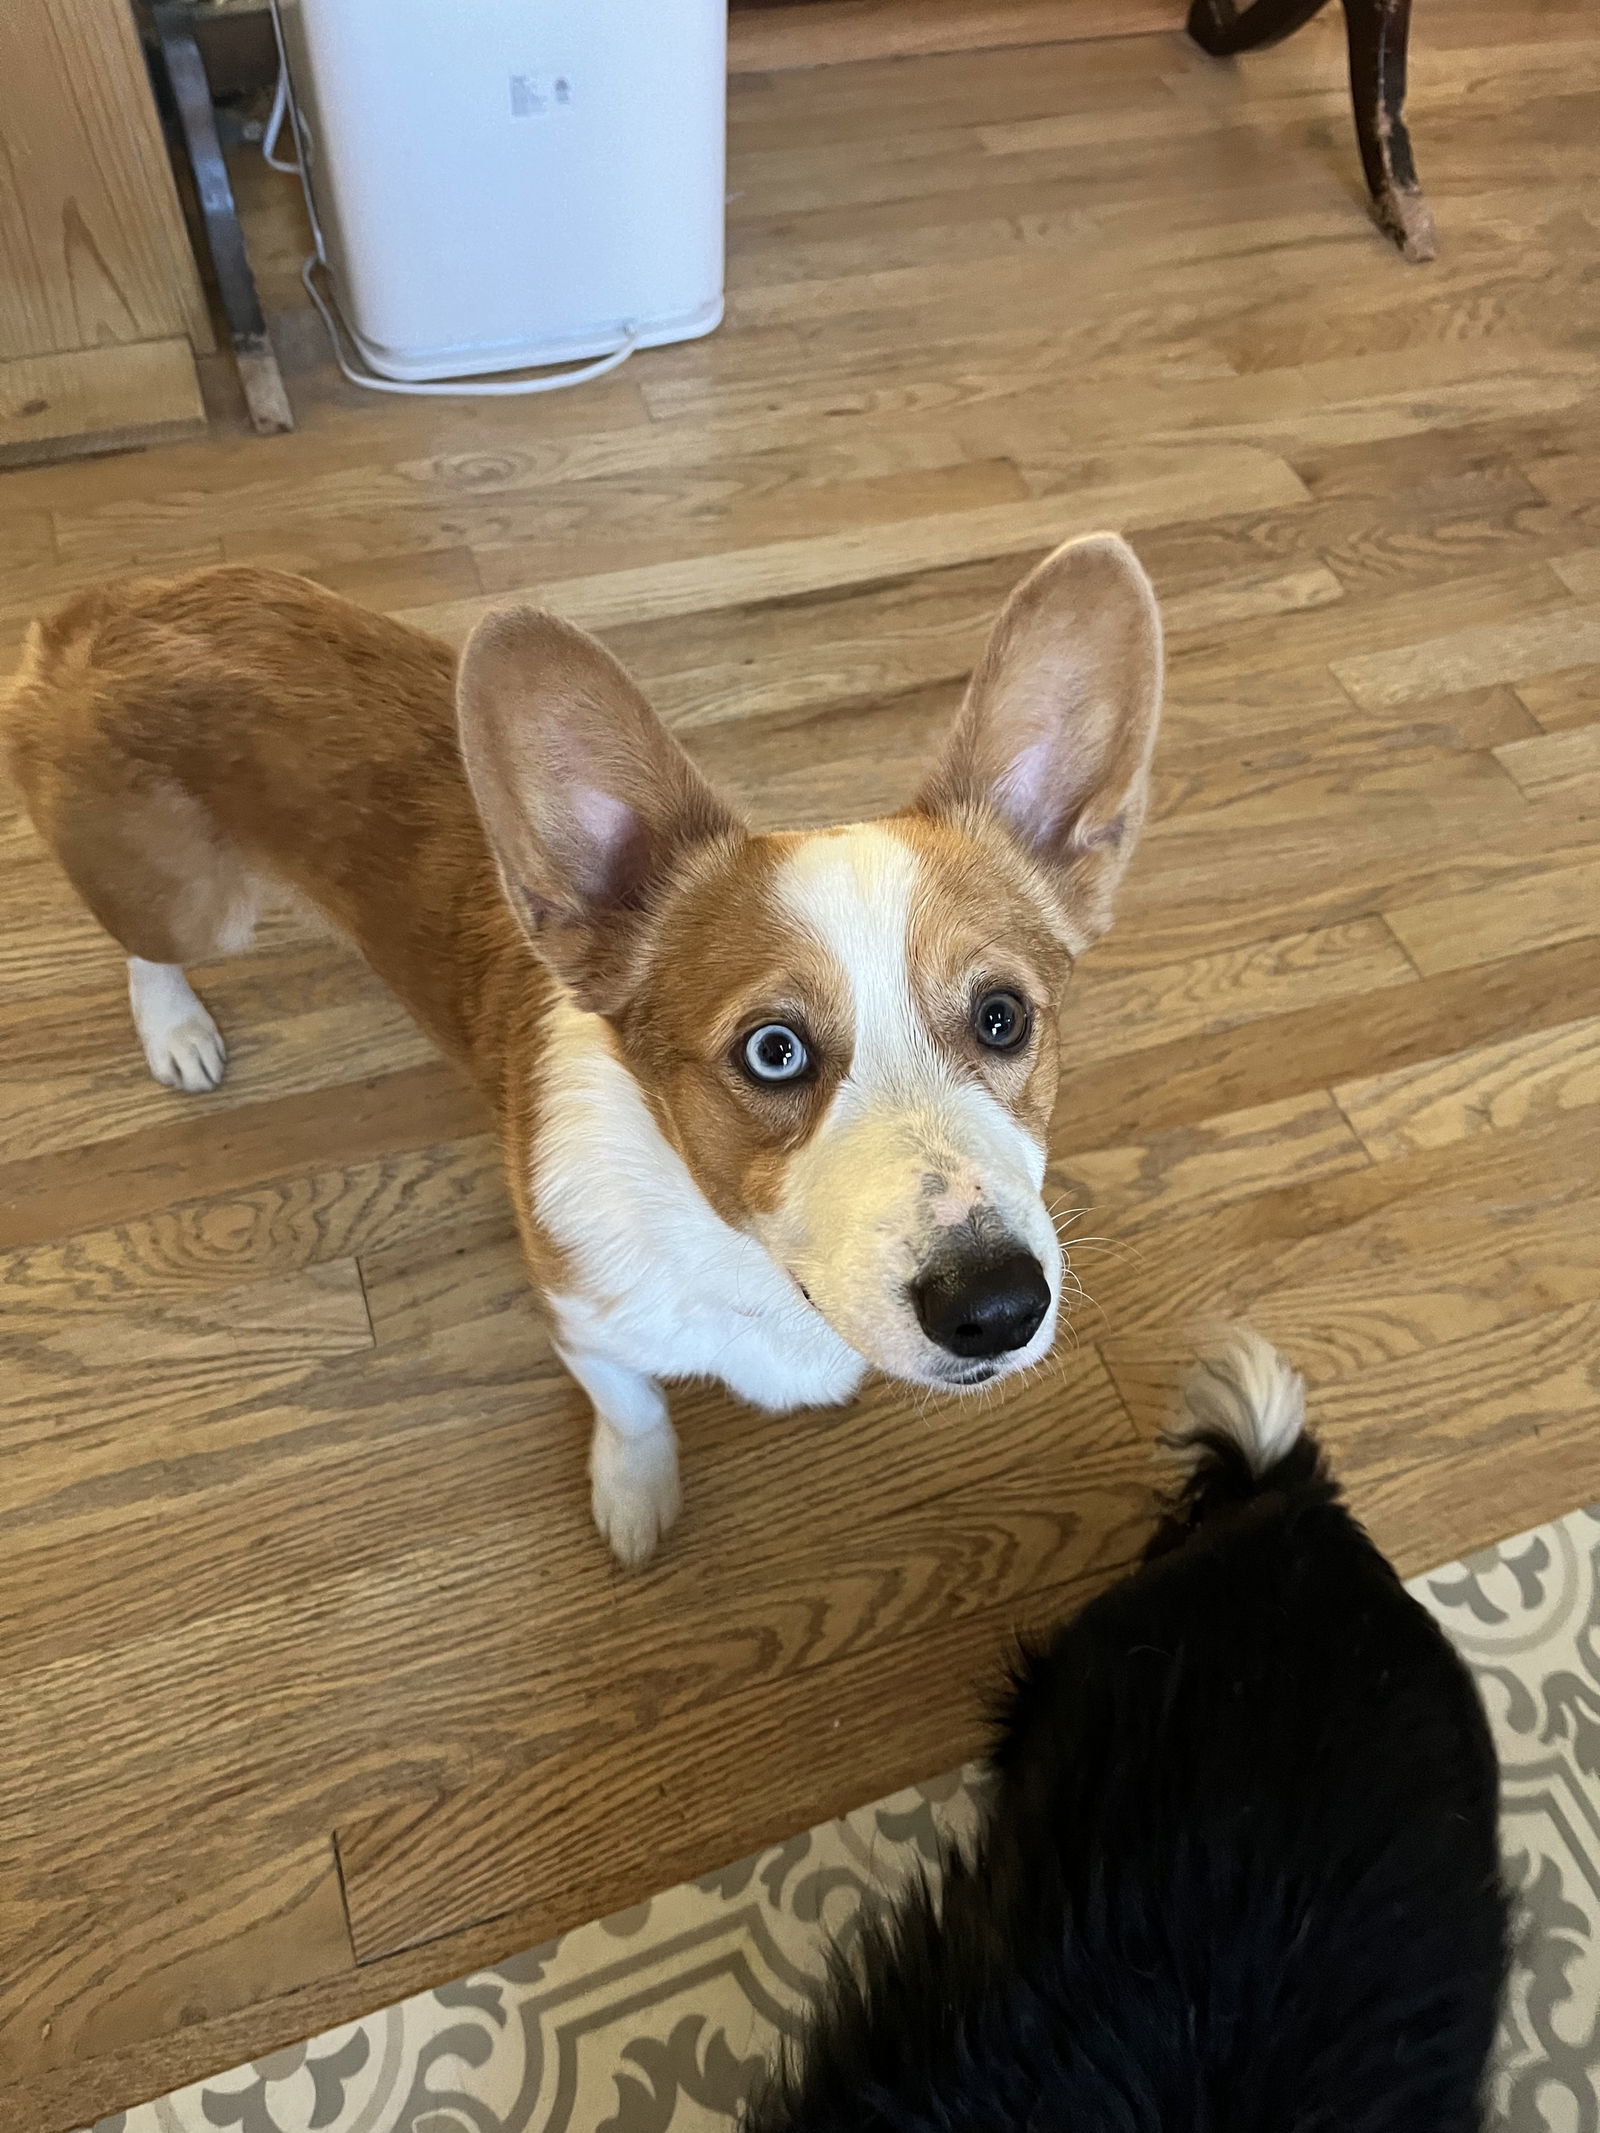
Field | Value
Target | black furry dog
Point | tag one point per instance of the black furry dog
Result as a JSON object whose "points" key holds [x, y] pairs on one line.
{"points": [[1239, 1873]]}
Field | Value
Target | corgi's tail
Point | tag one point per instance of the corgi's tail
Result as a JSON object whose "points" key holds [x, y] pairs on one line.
{"points": [[1241, 1429]]}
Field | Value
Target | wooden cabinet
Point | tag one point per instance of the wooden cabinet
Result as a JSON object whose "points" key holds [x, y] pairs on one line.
{"points": [[101, 306]]}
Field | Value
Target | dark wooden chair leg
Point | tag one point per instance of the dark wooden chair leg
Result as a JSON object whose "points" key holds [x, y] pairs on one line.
{"points": [[1377, 31], [1221, 28]]}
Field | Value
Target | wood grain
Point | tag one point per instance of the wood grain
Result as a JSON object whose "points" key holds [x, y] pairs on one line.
{"points": [[1224, 1261], [1111, 1017], [55, 405], [1481, 1091], [1180, 1080], [1528, 911], [1568, 698], [1580, 573], [1471, 658], [294, 1541], [1224, 480], [836, 32], [222, 1943], [1546, 764], [164, 1169], [92, 244]]}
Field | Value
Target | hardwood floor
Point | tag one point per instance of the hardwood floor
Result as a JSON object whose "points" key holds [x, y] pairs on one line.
{"points": [[318, 1686]]}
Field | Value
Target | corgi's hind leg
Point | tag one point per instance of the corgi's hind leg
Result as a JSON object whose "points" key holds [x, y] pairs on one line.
{"points": [[171, 890]]}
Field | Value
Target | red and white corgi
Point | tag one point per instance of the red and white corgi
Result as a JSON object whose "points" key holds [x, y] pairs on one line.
{"points": [[774, 1106]]}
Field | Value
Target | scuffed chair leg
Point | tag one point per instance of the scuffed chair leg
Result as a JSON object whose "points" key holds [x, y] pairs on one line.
{"points": [[1220, 28], [1378, 31]]}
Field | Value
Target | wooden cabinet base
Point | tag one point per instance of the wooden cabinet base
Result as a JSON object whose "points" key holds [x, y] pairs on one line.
{"points": [[98, 400]]}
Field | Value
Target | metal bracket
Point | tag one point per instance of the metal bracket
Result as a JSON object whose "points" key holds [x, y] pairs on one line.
{"points": [[259, 375]]}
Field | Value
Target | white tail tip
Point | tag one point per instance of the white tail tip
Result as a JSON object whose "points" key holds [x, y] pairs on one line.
{"points": [[1246, 1390]]}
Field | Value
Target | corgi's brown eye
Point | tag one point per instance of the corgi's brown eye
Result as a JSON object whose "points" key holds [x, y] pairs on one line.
{"points": [[1001, 1020], [774, 1052]]}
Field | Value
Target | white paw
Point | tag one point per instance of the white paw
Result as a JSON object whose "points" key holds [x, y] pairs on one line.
{"points": [[182, 1044], [191, 1055], [634, 1490]]}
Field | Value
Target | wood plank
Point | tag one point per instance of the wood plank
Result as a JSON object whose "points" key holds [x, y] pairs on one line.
{"points": [[98, 400], [1228, 1158], [1224, 480], [1529, 912], [244, 1246], [454, 1448], [1109, 1017], [836, 32], [1555, 763], [437, 1444], [1250, 665], [1557, 701], [214, 1945], [188, 1159], [1474, 658], [881, 641], [60, 1329], [1480, 1389], [1567, 477], [623, 462], [1481, 1496], [1462, 1221], [55, 1096], [1377, 1293], [1483, 1390], [1183, 1078], [1481, 1090], [819, 510], [1445, 828], [1580, 573], [416, 1284], [1152, 379]]}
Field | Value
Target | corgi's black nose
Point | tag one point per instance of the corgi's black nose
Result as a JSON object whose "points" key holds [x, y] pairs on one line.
{"points": [[982, 1306]]}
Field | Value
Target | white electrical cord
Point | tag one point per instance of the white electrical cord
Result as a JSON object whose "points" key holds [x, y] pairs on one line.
{"points": [[471, 389], [475, 388], [269, 139]]}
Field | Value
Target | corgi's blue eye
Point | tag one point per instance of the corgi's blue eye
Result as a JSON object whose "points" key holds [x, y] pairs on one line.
{"points": [[775, 1053], [1001, 1020]]}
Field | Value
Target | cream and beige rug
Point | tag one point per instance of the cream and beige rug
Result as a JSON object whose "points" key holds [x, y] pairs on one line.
{"points": [[656, 2021]]}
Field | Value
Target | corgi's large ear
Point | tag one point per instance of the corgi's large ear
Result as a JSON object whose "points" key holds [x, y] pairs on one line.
{"points": [[1058, 725], [588, 803]]}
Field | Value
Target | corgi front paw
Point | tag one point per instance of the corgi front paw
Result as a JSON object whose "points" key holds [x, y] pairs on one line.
{"points": [[190, 1056], [634, 1490], [182, 1046]]}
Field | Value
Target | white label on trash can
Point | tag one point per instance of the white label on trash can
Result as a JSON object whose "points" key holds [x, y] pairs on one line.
{"points": [[539, 95]]}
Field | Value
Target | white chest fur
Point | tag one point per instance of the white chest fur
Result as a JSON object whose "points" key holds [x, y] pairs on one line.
{"points": [[664, 1286]]}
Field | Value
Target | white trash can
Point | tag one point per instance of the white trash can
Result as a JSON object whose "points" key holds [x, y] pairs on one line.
{"points": [[503, 183]]}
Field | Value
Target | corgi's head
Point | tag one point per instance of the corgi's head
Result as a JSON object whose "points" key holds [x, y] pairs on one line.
{"points": [[849, 1035]]}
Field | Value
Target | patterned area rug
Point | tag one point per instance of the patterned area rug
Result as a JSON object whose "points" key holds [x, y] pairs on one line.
{"points": [[656, 2021]]}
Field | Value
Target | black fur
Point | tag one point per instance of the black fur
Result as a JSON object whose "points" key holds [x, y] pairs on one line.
{"points": [[1240, 1874]]}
